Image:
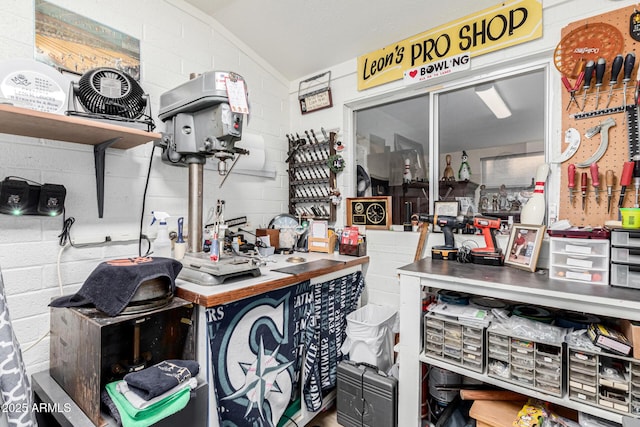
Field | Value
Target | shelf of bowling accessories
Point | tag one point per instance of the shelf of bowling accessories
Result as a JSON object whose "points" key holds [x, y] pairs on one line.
{"points": [[299, 166]]}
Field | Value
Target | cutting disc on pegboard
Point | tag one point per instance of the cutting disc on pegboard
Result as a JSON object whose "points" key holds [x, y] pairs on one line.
{"points": [[590, 41]]}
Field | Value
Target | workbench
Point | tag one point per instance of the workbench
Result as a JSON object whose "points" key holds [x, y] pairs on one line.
{"points": [[505, 283], [318, 268]]}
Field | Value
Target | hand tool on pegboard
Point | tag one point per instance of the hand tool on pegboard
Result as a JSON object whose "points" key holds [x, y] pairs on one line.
{"points": [[601, 65], [616, 66], [625, 180], [595, 180], [583, 188], [603, 130], [609, 180], [629, 62], [588, 76], [573, 89], [571, 172]]}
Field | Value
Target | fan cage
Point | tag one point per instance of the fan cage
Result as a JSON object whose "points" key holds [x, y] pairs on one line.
{"points": [[111, 92]]}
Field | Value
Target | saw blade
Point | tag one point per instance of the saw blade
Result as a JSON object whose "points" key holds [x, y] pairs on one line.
{"points": [[632, 131]]}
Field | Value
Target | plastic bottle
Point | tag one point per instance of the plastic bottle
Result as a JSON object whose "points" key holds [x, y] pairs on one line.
{"points": [[162, 243], [534, 210], [214, 252]]}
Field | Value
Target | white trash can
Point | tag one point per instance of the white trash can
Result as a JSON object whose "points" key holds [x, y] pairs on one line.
{"points": [[370, 332]]}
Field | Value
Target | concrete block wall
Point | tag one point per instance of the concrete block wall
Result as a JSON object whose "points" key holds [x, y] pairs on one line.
{"points": [[175, 40]]}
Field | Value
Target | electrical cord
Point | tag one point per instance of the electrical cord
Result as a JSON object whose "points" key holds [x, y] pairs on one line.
{"points": [[464, 252], [144, 199]]}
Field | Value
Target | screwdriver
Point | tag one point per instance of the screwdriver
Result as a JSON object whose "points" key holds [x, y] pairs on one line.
{"points": [[609, 179], [588, 75], [616, 66], [629, 62], [572, 182], [600, 67], [625, 179], [595, 180], [583, 188]]}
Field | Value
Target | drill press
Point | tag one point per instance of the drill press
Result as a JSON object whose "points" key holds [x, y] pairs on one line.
{"points": [[201, 123]]}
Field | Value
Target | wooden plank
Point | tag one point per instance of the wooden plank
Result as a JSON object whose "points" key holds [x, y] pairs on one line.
{"points": [[499, 413], [38, 124], [260, 288], [424, 230], [492, 395]]}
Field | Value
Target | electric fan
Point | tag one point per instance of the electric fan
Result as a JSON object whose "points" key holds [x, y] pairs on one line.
{"points": [[108, 93]]}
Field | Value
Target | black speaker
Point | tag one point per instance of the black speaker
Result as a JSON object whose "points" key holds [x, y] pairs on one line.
{"points": [[14, 196], [18, 197], [51, 200]]}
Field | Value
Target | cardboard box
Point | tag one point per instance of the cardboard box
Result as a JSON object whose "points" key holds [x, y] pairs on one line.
{"points": [[609, 339], [631, 330], [273, 233]]}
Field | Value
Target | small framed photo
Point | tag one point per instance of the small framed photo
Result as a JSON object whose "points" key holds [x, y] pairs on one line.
{"points": [[445, 208], [524, 246]]}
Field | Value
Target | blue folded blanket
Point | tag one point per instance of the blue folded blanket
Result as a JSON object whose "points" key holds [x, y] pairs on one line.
{"points": [[112, 285], [157, 379]]}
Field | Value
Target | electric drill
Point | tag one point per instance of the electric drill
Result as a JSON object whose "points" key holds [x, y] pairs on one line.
{"points": [[447, 224], [491, 254]]}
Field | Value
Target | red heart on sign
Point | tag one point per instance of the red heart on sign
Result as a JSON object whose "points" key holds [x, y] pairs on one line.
{"points": [[413, 73]]}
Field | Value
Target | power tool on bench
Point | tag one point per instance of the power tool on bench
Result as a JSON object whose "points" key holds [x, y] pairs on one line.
{"points": [[447, 224], [491, 254]]}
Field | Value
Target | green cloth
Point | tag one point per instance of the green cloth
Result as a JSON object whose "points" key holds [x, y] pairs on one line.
{"points": [[133, 417]]}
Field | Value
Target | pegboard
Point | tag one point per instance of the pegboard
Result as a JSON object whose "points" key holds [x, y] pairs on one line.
{"points": [[617, 151]]}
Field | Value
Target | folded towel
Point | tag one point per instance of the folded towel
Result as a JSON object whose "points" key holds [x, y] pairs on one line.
{"points": [[132, 417], [112, 285], [113, 409], [139, 403], [157, 379]]}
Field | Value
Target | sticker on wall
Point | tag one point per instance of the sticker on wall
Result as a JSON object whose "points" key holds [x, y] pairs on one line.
{"points": [[440, 68]]}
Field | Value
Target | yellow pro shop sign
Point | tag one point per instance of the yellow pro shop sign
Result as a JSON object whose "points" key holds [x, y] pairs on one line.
{"points": [[507, 24]]}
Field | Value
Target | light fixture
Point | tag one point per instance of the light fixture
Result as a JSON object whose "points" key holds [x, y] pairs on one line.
{"points": [[493, 101]]}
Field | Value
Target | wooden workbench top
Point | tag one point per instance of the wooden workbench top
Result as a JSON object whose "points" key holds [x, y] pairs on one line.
{"points": [[235, 289]]}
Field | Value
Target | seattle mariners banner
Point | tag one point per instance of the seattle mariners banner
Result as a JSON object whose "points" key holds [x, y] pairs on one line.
{"points": [[258, 348]]}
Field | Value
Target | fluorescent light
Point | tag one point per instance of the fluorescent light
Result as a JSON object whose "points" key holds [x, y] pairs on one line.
{"points": [[494, 101]]}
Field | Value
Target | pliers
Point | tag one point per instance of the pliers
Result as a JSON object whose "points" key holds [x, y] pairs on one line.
{"points": [[573, 89]]}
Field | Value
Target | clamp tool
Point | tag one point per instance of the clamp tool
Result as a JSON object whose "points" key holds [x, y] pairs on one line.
{"points": [[573, 89]]}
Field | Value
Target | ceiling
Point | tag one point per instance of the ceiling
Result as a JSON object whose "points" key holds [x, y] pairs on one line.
{"points": [[300, 38], [303, 37]]}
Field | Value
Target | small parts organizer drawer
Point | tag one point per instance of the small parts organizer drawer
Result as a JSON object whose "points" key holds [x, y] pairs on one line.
{"points": [[625, 258], [580, 260], [526, 363], [604, 380], [454, 342]]}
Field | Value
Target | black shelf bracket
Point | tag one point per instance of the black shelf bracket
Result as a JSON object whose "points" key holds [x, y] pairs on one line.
{"points": [[98, 156]]}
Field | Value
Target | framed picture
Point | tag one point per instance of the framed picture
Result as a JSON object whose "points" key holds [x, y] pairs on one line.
{"points": [[445, 208], [373, 212], [524, 246]]}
